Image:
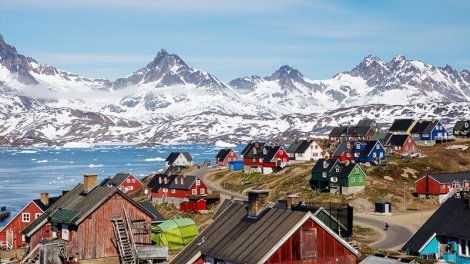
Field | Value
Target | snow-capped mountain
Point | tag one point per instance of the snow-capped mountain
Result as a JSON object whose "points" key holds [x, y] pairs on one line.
{"points": [[170, 101]]}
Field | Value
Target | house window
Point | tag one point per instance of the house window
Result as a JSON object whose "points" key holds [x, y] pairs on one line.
{"points": [[356, 170], [194, 191], [348, 154], [281, 151], [377, 146], [406, 147], [254, 160], [37, 215], [464, 248], [65, 232], [381, 154], [165, 190], [358, 146], [128, 180], [26, 217], [130, 188], [133, 180], [176, 181], [360, 179], [229, 159], [337, 169], [173, 191], [353, 179], [324, 174], [285, 160], [374, 155], [202, 191], [198, 182], [413, 147], [308, 243]]}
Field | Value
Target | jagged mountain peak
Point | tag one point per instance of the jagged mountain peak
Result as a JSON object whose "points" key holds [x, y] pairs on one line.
{"points": [[166, 60], [286, 72]]}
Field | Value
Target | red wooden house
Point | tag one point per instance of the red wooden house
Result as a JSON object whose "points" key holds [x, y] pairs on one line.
{"points": [[257, 233], [224, 156], [125, 182], [401, 145], [82, 220], [439, 184], [175, 189], [11, 232], [275, 158], [264, 159]]}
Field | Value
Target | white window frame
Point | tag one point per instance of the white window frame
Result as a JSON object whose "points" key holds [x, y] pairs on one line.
{"points": [[128, 180], [201, 191], [65, 234], [25, 217], [173, 190], [198, 182], [194, 191], [165, 190], [359, 179], [353, 179], [467, 249], [37, 215]]}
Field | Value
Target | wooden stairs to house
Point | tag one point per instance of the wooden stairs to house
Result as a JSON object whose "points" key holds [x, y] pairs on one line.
{"points": [[125, 244]]}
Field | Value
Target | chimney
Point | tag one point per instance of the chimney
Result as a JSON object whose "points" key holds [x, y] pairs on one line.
{"points": [[292, 200], [45, 198], [90, 181], [257, 201]]}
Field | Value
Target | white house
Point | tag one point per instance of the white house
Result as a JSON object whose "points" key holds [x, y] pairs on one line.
{"points": [[305, 150], [181, 159]]}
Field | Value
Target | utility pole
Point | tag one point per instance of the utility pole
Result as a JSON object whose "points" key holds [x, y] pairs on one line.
{"points": [[404, 198]]}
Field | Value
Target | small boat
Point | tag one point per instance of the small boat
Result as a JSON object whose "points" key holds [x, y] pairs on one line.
{"points": [[4, 213]]}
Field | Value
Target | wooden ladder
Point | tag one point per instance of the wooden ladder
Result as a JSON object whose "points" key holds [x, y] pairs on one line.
{"points": [[124, 241]]}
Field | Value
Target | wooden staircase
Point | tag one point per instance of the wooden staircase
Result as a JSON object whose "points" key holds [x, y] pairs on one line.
{"points": [[124, 241]]}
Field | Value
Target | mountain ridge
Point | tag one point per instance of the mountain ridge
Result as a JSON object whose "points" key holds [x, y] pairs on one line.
{"points": [[168, 100]]}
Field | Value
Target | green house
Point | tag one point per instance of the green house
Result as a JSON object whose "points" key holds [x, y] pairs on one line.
{"points": [[336, 177]]}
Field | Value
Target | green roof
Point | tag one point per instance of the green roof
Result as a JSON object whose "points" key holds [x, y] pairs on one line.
{"points": [[63, 216]]}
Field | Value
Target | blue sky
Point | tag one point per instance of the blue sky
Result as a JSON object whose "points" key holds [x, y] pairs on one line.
{"points": [[113, 38]]}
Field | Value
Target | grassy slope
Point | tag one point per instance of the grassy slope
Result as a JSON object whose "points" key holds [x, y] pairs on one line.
{"points": [[401, 175]]}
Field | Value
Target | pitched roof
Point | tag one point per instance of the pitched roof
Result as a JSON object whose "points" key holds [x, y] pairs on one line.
{"points": [[358, 131], [299, 146], [171, 182], [368, 148], [223, 153], [460, 125], [449, 177], [401, 125], [187, 182], [156, 216], [344, 170], [338, 131], [270, 153], [249, 146], [259, 151], [236, 238], [424, 126], [450, 219], [77, 201], [320, 165], [174, 155], [44, 207], [117, 180], [397, 140], [365, 122], [342, 147]]}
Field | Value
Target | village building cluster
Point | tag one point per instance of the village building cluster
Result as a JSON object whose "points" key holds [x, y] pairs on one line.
{"points": [[102, 219]]}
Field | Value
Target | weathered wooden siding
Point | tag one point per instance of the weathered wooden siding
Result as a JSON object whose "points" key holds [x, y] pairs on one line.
{"points": [[94, 237]]}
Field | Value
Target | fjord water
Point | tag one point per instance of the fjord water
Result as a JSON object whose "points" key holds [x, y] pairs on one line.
{"points": [[26, 172]]}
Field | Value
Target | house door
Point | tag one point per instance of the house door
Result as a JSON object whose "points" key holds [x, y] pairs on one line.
{"points": [[10, 236]]}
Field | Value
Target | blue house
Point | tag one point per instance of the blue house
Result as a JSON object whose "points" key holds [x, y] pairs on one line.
{"points": [[368, 151], [235, 165], [446, 234], [427, 132]]}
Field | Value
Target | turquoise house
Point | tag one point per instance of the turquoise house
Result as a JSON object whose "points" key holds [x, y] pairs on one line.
{"points": [[446, 234]]}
